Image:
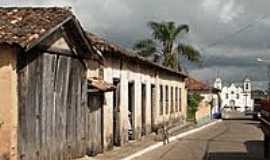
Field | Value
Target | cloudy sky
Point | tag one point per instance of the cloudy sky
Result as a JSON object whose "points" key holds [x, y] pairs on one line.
{"points": [[229, 33]]}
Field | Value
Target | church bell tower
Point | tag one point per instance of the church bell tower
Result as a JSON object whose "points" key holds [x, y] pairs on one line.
{"points": [[247, 85], [218, 83]]}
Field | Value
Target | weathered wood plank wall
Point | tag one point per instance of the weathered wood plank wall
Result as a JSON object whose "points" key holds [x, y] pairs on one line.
{"points": [[55, 122]]}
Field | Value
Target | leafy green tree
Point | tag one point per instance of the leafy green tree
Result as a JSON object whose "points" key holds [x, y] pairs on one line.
{"points": [[193, 104], [165, 42]]}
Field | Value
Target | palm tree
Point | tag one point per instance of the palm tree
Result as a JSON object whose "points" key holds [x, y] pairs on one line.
{"points": [[165, 36]]}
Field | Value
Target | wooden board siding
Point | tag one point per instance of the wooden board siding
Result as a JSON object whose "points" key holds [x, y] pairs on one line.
{"points": [[53, 113]]}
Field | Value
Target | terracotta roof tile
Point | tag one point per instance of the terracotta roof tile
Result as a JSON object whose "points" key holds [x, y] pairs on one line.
{"points": [[24, 25], [100, 84], [193, 84], [110, 48]]}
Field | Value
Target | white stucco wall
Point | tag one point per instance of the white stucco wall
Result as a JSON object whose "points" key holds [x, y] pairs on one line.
{"points": [[240, 97], [138, 74]]}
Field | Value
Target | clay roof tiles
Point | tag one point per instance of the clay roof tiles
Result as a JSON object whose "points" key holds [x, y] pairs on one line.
{"points": [[23, 26], [193, 84], [110, 48], [196, 85], [100, 84]]}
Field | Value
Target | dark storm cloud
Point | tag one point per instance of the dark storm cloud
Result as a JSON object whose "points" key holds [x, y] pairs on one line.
{"points": [[211, 22]]}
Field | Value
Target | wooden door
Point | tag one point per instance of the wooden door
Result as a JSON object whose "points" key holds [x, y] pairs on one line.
{"points": [[95, 122]]}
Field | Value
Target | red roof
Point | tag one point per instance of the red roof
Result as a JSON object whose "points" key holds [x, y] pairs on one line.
{"points": [[196, 85], [193, 84], [265, 104]]}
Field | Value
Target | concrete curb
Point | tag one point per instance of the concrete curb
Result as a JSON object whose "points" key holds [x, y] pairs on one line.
{"points": [[174, 138]]}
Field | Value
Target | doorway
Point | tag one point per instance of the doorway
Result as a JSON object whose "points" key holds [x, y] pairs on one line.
{"points": [[116, 112], [232, 104], [131, 109], [143, 109], [153, 105], [95, 119]]}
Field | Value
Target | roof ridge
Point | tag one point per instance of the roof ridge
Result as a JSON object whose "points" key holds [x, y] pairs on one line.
{"points": [[124, 51]]}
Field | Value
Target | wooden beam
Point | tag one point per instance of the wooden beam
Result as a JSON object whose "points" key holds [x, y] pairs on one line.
{"points": [[60, 51], [84, 38]]}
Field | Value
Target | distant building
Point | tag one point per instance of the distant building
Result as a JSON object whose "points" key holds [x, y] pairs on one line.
{"points": [[209, 106], [236, 97], [258, 94]]}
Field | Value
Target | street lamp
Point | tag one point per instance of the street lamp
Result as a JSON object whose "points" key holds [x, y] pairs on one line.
{"points": [[263, 60], [259, 59]]}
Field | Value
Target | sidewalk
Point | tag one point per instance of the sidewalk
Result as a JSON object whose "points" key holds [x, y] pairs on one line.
{"points": [[135, 146]]}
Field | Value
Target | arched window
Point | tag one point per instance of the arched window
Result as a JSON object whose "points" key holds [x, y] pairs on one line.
{"points": [[237, 96], [227, 96]]}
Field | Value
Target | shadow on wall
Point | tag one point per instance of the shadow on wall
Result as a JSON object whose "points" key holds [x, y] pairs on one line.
{"points": [[5, 156], [1, 123], [254, 152]]}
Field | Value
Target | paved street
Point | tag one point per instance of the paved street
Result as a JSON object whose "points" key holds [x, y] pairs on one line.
{"points": [[228, 140]]}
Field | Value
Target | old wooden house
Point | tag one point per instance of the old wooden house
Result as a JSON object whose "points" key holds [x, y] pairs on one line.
{"points": [[44, 90], [147, 95]]}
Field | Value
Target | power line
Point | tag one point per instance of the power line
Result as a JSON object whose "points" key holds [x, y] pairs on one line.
{"points": [[239, 31]]}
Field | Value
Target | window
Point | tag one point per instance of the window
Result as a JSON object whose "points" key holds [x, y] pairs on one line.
{"points": [[172, 100], [247, 86], [131, 109], [176, 99], [237, 96], [161, 100], [143, 109], [227, 96], [180, 100], [232, 92], [167, 99], [116, 94]]}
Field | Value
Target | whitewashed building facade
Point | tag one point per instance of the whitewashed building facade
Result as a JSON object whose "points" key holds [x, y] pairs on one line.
{"points": [[147, 95], [236, 97]]}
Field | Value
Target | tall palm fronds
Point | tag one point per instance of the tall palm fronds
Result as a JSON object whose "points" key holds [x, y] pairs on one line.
{"points": [[146, 47], [165, 36]]}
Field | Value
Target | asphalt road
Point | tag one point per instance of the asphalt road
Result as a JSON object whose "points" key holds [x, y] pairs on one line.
{"points": [[228, 140]]}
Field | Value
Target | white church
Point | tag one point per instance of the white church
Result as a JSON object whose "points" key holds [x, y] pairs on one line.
{"points": [[234, 97]]}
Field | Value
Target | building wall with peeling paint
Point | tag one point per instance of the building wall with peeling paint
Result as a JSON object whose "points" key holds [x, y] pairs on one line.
{"points": [[126, 72], [203, 111], [8, 104], [204, 108]]}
